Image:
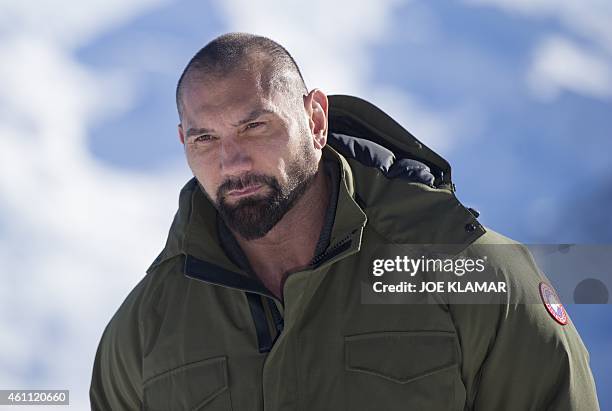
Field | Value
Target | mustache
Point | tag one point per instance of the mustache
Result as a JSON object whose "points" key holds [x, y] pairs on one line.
{"points": [[246, 180]]}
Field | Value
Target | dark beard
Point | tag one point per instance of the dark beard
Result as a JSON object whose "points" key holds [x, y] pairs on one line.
{"points": [[255, 216]]}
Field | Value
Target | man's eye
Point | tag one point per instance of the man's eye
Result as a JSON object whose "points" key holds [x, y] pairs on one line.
{"points": [[203, 137], [254, 124]]}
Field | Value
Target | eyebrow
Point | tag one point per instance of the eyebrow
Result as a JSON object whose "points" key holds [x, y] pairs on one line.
{"points": [[258, 112]]}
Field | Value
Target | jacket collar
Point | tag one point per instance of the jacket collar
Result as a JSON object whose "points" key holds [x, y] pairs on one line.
{"points": [[194, 234]]}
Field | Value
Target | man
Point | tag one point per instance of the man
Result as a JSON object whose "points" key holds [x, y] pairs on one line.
{"points": [[256, 302]]}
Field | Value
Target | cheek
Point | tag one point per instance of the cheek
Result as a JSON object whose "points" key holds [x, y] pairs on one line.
{"points": [[205, 170], [284, 171]]}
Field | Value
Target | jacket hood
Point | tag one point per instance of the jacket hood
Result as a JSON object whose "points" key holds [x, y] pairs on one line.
{"points": [[383, 142]]}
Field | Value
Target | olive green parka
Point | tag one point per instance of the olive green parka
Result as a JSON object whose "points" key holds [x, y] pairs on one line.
{"points": [[200, 333]]}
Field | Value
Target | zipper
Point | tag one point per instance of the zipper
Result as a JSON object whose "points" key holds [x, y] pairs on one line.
{"points": [[333, 251], [264, 339], [279, 321], [255, 291], [265, 342]]}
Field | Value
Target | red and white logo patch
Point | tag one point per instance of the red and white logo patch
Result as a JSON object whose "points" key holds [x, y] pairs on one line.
{"points": [[553, 304]]}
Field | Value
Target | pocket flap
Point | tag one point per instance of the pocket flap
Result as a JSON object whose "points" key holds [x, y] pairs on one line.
{"points": [[401, 356], [188, 387]]}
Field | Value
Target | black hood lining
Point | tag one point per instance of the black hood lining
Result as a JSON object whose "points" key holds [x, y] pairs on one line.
{"points": [[371, 154], [358, 118]]}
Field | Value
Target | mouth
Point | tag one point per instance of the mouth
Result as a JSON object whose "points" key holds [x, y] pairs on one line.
{"points": [[243, 192]]}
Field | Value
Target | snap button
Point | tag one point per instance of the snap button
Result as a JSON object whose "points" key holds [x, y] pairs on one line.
{"points": [[470, 227]]}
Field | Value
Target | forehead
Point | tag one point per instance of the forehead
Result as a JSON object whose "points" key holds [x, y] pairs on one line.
{"points": [[216, 97]]}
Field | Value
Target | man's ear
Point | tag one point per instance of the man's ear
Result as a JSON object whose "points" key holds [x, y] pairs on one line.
{"points": [[316, 106], [181, 134]]}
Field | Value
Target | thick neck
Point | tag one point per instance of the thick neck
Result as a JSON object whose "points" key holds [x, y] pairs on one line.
{"points": [[291, 243]]}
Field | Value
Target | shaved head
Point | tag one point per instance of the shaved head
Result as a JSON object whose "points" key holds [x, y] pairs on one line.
{"points": [[234, 52]]}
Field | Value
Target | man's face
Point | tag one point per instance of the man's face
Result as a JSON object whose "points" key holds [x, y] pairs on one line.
{"points": [[250, 149]]}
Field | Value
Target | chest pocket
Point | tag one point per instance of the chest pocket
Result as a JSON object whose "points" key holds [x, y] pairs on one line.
{"points": [[202, 385], [412, 370]]}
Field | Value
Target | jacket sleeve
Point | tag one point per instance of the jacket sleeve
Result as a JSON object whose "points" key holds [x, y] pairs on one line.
{"points": [[116, 382], [515, 356]]}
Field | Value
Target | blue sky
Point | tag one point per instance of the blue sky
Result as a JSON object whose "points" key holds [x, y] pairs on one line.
{"points": [[517, 95]]}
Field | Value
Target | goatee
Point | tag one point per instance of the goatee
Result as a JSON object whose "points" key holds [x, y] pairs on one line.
{"points": [[254, 216]]}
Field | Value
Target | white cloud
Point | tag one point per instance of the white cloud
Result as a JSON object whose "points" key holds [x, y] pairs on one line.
{"points": [[328, 39], [587, 18], [563, 64], [74, 233], [69, 23], [331, 41], [440, 131], [560, 64]]}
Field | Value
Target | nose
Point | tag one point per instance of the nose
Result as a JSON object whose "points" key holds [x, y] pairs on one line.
{"points": [[234, 158]]}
